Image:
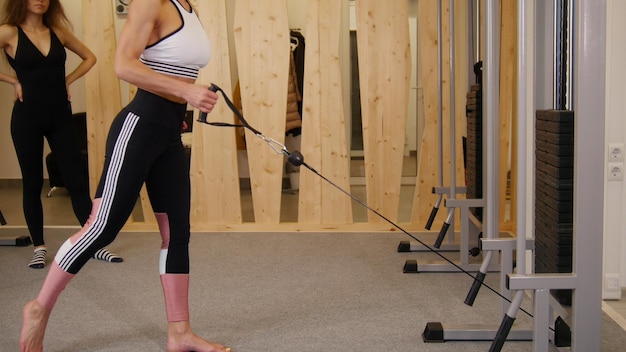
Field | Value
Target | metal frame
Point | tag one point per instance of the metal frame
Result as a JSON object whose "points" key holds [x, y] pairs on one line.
{"points": [[589, 128], [493, 242], [469, 227], [588, 87]]}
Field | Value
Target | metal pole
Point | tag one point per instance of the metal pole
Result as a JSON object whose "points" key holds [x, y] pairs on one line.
{"points": [[452, 110], [435, 209], [569, 99], [491, 145], [452, 191], [522, 123], [521, 173], [440, 92], [557, 54], [478, 34], [589, 150]]}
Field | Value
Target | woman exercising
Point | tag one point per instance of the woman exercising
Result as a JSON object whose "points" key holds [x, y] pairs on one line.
{"points": [[160, 50]]}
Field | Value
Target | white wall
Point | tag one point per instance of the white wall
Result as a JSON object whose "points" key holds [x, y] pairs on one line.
{"points": [[614, 191]]}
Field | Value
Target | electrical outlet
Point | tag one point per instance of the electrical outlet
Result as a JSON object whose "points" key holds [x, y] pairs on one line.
{"points": [[615, 172], [616, 152], [611, 282]]}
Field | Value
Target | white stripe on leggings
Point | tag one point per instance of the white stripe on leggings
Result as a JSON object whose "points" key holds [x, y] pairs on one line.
{"points": [[108, 193]]}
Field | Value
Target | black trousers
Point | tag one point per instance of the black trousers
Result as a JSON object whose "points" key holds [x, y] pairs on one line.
{"points": [[30, 124], [144, 145]]}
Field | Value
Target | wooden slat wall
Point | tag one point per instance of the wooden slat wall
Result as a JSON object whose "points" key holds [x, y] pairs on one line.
{"points": [[508, 108], [214, 173], [384, 69], [323, 124], [103, 100], [262, 42], [428, 174], [261, 36], [427, 171]]}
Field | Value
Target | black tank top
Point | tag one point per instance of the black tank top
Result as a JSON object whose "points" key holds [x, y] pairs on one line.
{"points": [[42, 76]]}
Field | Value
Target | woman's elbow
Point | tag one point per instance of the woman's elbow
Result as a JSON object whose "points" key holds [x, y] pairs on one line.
{"points": [[121, 70], [92, 60]]}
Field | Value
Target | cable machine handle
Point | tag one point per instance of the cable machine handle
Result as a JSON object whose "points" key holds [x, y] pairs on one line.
{"points": [[431, 218], [442, 234], [203, 115]]}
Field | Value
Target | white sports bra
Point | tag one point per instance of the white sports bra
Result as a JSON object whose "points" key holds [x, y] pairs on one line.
{"points": [[183, 52]]}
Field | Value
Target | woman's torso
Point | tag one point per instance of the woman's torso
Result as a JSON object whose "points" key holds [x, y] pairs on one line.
{"points": [[180, 50], [41, 74]]}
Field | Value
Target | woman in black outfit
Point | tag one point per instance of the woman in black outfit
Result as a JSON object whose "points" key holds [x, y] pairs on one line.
{"points": [[34, 35]]}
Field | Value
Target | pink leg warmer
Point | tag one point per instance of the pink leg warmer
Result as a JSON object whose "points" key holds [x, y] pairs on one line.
{"points": [[176, 293], [56, 280]]}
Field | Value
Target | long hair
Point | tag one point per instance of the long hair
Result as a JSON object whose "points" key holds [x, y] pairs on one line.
{"points": [[15, 13]]}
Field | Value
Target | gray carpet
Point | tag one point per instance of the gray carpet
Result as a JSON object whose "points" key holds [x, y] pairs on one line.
{"points": [[258, 292]]}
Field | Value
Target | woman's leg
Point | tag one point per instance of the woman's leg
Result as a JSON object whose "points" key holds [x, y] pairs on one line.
{"points": [[63, 144], [28, 139], [169, 190], [128, 158]]}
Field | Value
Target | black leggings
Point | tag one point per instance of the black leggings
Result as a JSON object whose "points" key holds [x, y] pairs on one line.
{"points": [[29, 126], [144, 145]]}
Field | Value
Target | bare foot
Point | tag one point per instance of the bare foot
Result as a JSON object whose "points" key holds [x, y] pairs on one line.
{"points": [[181, 339], [35, 319]]}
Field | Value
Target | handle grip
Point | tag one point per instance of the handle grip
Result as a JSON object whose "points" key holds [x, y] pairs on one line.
{"points": [[473, 292], [441, 235], [431, 218], [502, 334], [203, 115]]}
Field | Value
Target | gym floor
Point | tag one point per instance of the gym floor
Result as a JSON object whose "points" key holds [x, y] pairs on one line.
{"points": [[58, 213]]}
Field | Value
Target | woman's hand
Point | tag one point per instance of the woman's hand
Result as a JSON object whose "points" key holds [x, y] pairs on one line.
{"points": [[67, 88], [200, 97], [17, 88]]}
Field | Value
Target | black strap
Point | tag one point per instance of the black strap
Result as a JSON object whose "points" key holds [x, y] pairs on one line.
{"points": [[245, 124]]}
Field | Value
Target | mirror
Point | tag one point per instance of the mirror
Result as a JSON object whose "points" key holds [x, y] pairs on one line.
{"points": [[414, 128]]}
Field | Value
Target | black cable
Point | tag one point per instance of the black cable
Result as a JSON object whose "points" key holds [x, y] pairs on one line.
{"points": [[297, 159]]}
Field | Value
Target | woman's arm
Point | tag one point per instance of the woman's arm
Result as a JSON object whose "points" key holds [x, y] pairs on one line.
{"points": [[8, 39], [143, 19], [70, 41]]}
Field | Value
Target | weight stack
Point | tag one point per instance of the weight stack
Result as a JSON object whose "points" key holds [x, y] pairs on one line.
{"points": [[554, 194], [474, 147]]}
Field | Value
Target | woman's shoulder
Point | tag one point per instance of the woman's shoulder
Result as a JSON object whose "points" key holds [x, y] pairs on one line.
{"points": [[7, 33], [6, 28], [62, 33]]}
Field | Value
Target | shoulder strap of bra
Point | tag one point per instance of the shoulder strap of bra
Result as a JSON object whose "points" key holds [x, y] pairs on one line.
{"points": [[181, 8]]}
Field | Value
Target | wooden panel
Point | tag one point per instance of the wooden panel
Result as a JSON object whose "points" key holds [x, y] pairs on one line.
{"points": [[384, 69], [508, 105], [323, 124], [427, 171], [262, 41], [103, 98], [462, 83], [428, 174], [215, 196]]}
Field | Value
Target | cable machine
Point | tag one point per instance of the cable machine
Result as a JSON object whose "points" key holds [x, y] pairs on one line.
{"points": [[585, 95], [470, 227], [582, 90]]}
